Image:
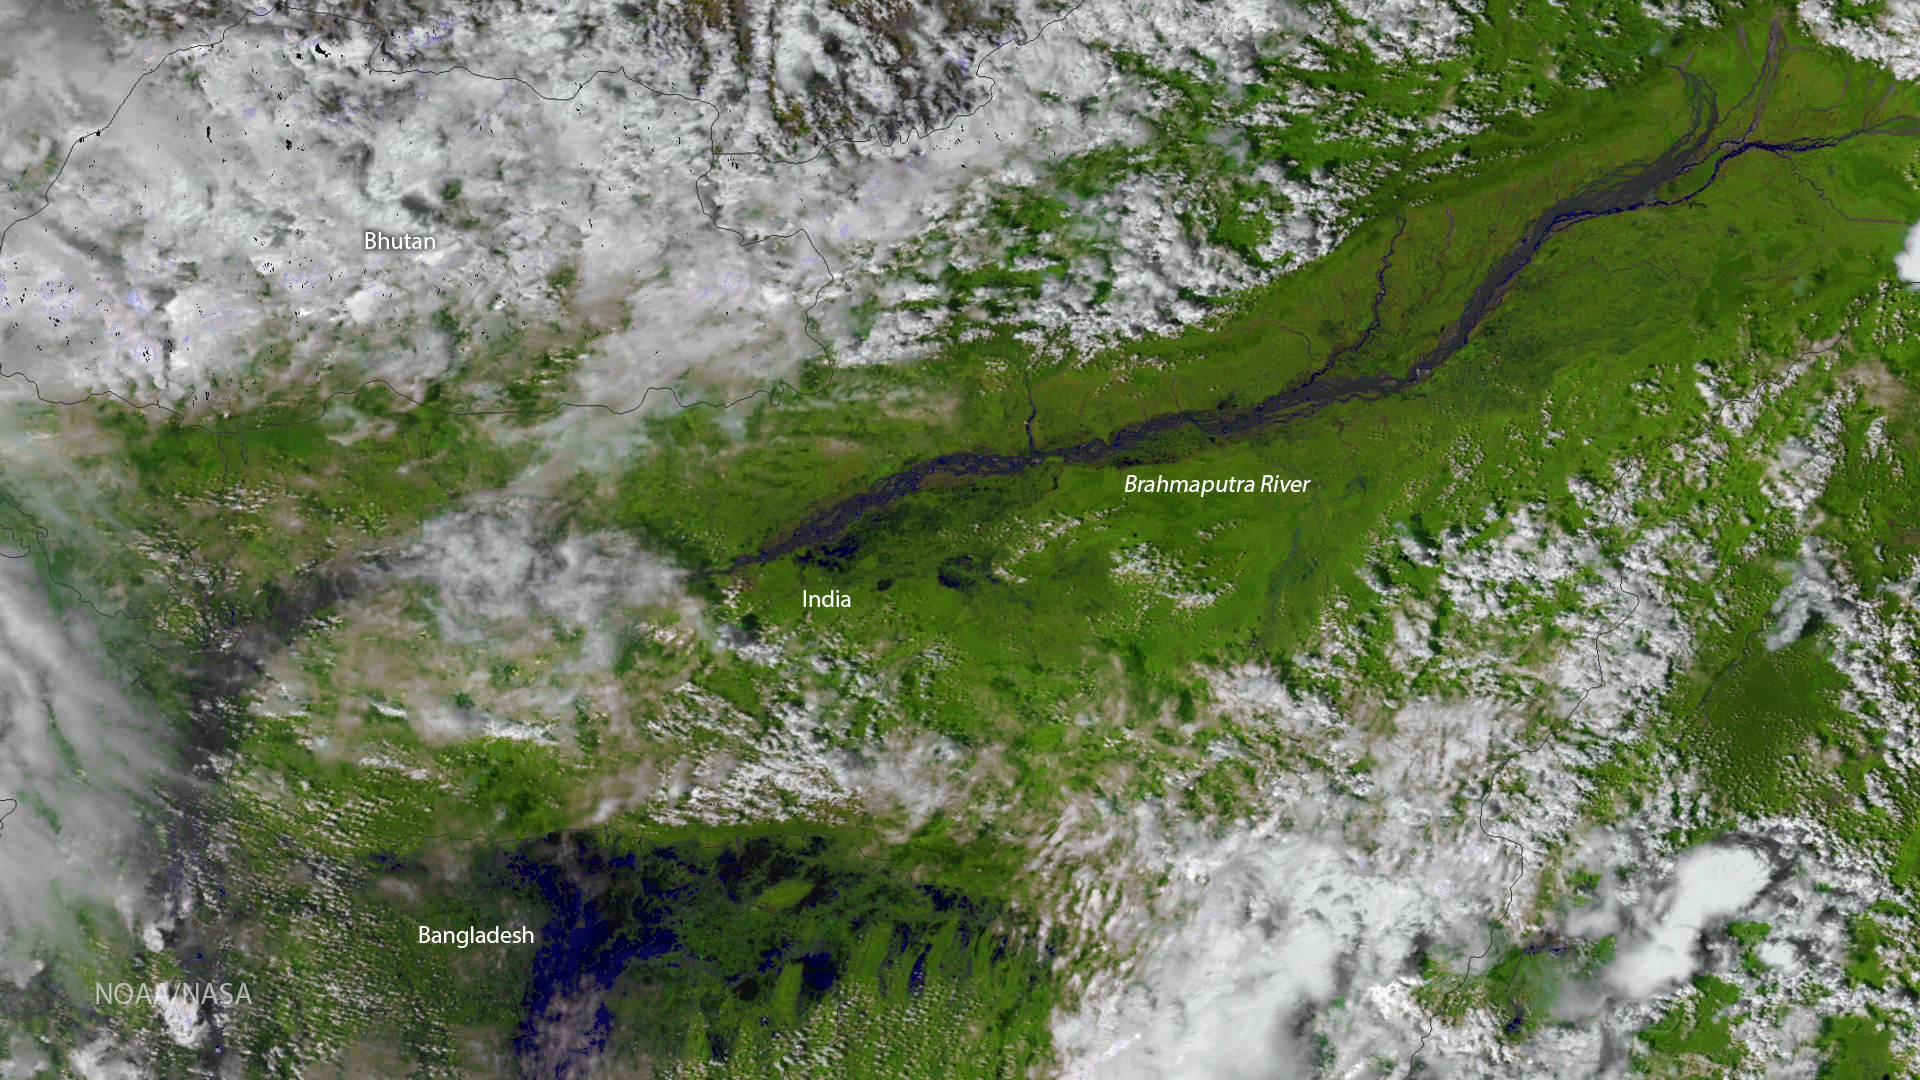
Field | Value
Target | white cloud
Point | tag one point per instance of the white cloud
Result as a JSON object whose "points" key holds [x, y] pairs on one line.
{"points": [[1280, 931], [1907, 263], [1892, 37], [497, 566], [1708, 884], [243, 207]]}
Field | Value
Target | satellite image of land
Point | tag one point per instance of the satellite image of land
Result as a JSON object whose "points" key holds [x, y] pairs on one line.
{"points": [[975, 539]]}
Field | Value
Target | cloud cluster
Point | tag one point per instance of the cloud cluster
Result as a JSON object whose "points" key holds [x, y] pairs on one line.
{"points": [[1709, 884], [490, 566], [1281, 929], [863, 155], [1906, 263], [1890, 35]]}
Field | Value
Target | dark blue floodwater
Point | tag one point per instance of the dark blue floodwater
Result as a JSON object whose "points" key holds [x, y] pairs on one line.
{"points": [[685, 924]]}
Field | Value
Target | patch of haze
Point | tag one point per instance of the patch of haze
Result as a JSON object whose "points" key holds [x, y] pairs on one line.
{"points": [[1408, 29], [82, 761], [912, 775], [490, 566], [24, 1058], [106, 1059], [1810, 591], [215, 208], [54, 62]]}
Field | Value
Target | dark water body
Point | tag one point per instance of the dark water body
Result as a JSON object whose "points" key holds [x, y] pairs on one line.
{"points": [[1625, 189], [635, 933], [591, 937]]}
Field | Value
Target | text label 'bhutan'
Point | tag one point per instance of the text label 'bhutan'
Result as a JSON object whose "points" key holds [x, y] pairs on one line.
{"points": [[1267, 484], [399, 242]]}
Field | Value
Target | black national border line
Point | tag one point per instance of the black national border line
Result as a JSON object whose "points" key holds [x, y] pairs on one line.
{"points": [[1493, 776], [714, 152], [379, 48], [715, 156], [24, 537]]}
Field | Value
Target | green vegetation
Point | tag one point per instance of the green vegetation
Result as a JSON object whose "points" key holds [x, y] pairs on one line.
{"points": [[1343, 109], [710, 950], [742, 973], [1518, 988], [1859, 1048], [1049, 640], [1864, 963], [1768, 708], [1696, 1034], [255, 498], [1749, 935], [1054, 629]]}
